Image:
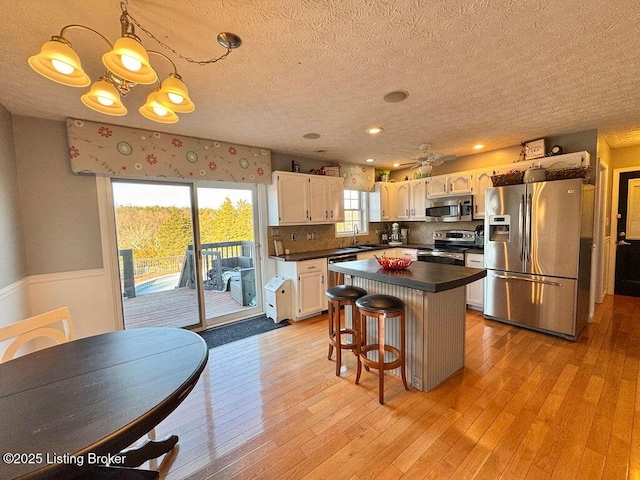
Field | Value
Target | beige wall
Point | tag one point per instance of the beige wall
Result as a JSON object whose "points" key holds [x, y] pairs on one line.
{"points": [[12, 254], [59, 209], [625, 157]]}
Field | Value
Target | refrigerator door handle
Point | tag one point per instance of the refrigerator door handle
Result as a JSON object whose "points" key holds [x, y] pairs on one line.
{"points": [[531, 280], [529, 229], [521, 236]]}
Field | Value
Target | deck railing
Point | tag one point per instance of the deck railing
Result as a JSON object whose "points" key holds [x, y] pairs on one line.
{"points": [[130, 268]]}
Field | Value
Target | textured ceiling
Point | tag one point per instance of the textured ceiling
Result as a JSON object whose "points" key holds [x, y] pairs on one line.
{"points": [[496, 72]]}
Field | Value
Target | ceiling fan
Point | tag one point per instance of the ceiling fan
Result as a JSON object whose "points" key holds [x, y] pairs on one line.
{"points": [[425, 161]]}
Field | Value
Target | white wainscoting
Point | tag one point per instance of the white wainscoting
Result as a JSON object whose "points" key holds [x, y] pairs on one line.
{"points": [[14, 302], [83, 291]]}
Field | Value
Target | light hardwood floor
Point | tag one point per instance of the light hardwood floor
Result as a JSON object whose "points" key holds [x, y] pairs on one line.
{"points": [[526, 406]]}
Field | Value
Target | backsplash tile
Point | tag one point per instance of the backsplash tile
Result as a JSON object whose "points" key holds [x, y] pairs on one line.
{"points": [[419, 233]]}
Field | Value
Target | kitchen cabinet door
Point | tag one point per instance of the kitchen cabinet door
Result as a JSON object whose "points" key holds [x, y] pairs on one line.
{"points": [[318, 210], [482, 181], [569, 160], [460, 184], [437, 186], [311, 293], [417, 199], [288, 199], [403, 203], [335, 198], [381, 202], [475, 290]]}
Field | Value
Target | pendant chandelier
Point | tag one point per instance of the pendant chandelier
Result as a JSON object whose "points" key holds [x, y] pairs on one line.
{"points": [[127, 64]]}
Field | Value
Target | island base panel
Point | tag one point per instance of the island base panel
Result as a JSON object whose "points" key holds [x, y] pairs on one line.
{"points": [[435, 325]]}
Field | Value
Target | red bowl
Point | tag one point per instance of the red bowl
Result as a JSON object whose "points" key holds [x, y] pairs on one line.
{"points": [[394, 263]]}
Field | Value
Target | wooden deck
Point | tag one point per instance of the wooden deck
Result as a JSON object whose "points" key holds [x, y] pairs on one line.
{"points": [[176, 308], [526, 405]]}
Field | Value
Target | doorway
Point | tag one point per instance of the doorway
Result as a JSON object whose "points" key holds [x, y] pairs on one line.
{"points": [[159, 227], [627, 256]]}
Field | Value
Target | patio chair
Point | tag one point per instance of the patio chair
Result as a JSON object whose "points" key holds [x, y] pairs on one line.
{"points": [[38, 326]]}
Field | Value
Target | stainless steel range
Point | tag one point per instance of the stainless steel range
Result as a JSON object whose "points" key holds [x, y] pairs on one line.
{"points": [[448, 247]]}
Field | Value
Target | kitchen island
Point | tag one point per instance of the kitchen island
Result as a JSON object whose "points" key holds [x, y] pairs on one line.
{"points": [[435, 313]]}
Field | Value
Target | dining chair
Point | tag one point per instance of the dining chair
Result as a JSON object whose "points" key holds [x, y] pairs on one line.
{"points": [[38, 326]]}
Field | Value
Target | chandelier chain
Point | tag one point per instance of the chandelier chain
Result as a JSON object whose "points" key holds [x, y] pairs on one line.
{"points": [[178, 54]]}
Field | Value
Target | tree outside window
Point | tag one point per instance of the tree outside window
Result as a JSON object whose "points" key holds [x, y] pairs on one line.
{"points": [[355, 214]]}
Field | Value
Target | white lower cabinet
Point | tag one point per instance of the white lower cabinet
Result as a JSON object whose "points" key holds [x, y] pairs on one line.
{"points": [[475, 290], [309, 281]]}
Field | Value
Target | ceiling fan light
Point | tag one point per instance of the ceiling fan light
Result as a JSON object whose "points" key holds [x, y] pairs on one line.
{"points": [[128, 59], [104, 98], [57, 61], [157, 112], [174, 95]]}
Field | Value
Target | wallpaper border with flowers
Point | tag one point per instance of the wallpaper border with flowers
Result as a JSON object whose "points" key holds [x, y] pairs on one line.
{"points": [[358, 177], [106, 149]]}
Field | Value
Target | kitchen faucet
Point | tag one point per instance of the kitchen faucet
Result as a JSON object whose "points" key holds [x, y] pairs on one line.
{"points": [[355, 232]]}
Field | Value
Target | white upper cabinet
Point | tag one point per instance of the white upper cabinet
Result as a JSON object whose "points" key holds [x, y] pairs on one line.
{"points": [[460, 183], [482, 181], [381, 202], [318, 207], [418, 195], [437, 186], [402, 201], [297, 199], [569, 160], [288, 198], [335, 198]]}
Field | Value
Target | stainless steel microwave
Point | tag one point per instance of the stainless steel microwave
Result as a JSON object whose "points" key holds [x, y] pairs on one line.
{"points": [[449, 209]]}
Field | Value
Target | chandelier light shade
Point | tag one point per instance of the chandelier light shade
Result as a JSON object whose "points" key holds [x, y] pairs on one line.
{"points": [[129, 60], [127, 63], [58, 61], [157, 112], [174, 94], [103, 97]]}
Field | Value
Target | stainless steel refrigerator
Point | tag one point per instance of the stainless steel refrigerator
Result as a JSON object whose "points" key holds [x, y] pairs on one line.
{"points": [[538, 242]]}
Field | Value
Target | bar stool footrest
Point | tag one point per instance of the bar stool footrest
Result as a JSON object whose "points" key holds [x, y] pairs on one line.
{"points": [[373, 347]]}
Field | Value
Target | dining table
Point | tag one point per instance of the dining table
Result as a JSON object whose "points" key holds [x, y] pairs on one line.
{"points": [[71, 410]]}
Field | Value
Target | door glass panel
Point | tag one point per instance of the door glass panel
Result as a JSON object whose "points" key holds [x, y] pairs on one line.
{"points": [[227, 240], [155, 246], [633, 210]]}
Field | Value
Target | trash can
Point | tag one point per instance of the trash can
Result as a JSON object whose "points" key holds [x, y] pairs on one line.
{"points": [[277, 298]]}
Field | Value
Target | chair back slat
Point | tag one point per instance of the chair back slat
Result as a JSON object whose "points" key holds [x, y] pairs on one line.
{"points": [[37, 326]]}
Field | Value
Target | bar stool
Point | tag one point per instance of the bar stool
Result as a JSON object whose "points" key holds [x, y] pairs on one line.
{"points": [[338, 296], [381, 307]]}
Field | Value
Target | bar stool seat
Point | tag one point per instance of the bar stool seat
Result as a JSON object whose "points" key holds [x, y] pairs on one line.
{"points": [[381, 307], [342, 295]]}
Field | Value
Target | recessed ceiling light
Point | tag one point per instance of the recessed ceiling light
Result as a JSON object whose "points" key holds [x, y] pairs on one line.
{"points": [[478, 146], [396, 164], [369, 160], [374, 130], [311, 136], [395, 97]]}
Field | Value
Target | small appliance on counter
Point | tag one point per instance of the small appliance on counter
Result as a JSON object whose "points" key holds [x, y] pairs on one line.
{"points": [[479, 236], [404, 235], [396, 236]]}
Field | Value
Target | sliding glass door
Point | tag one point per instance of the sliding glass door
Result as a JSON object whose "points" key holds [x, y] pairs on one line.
{"points": [[187, 253], [228, 253], [154, 231]]}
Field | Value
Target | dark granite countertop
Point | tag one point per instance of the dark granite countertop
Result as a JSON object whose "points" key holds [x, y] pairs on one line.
{"points": [[300, 256], [430, 277]]}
